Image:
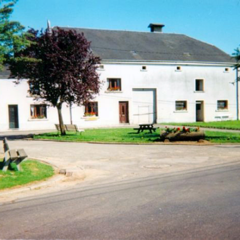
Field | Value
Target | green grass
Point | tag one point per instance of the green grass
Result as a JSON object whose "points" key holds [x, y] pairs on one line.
{"points": [[222, 137], [128, 135], [219, 124], [120, 135], [31, 171]]}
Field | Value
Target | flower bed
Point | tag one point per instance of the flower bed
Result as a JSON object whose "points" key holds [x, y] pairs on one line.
{"points": [[184, 134]]}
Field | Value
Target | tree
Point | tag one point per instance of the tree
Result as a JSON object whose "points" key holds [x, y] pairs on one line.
{"points": [[236, 55], [64, 70], [12, 35]]}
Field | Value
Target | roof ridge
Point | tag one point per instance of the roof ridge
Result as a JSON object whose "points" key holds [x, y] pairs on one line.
{"points": [[114, 30]]}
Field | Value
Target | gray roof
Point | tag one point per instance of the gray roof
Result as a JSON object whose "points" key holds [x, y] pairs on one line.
{"points": [[147, 46]]}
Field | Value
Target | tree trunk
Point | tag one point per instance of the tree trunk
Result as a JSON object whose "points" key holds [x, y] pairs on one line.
{"points": [[61, 125]]}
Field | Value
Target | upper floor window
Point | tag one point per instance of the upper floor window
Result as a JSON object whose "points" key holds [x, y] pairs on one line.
{"points": [[181, 105], [33, 90], [100, 67], [222, 105], [178, 68], [38, 111], [199, 85], [91, 109], [114, 84]]}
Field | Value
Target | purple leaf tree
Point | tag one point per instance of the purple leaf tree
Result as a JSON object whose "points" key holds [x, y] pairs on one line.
{"points": [[60, 68]]}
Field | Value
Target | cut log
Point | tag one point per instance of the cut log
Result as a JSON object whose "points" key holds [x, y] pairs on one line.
{"points": [[183, 136]]}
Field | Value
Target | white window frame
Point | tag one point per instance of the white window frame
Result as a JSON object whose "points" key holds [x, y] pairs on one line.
{"points": [[38, 111], [114, 84], [225, 108], [181, 102], [202, 80], [91, 109]]}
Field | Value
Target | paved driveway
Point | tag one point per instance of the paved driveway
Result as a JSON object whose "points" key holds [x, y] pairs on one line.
{"points": [[116, 162], [89, 164]]}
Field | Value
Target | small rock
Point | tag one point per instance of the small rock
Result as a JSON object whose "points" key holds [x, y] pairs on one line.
{"points": [[62, 171], [69, 174]]}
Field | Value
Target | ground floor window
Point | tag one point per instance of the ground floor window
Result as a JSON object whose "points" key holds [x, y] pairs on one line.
{"points": [[181, 105], [38, 111], [222, 105], [91, 109]]}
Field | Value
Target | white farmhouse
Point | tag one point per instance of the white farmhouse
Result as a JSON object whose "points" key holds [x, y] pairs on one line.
{"points": [[148, 77]]}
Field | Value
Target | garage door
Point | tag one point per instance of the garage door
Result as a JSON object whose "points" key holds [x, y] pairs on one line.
{"points": [[144, 106]]}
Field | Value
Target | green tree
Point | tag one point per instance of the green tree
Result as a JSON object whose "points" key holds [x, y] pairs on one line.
{"points": [[12, 35], [236, 55]]}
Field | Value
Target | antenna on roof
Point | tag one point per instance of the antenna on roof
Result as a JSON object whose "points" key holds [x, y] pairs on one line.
{"points": [[49, 29]]}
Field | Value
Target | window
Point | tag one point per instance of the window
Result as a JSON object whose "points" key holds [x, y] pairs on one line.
{"points": [[38, 111], [114, 84], [178, 68], [91, 109], [34, 90], [199, 85], [222, 105], [181, 105], [101, 67]]}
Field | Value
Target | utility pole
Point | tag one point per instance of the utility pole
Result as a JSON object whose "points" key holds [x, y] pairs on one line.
{"points": [[237, 93], [70, 108]]}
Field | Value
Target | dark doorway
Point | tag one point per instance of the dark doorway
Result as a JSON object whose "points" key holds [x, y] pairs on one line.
{"points": [[123, 112], [199, 111], [13, 116]]}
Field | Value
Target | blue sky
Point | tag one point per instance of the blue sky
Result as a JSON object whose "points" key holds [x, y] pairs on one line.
{"points": [[213, 21]]}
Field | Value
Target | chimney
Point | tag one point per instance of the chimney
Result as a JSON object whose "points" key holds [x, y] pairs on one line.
{"points": [[156, 27]]}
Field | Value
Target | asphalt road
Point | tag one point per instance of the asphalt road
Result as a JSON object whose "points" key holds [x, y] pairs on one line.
{"points": [[203, 203]]}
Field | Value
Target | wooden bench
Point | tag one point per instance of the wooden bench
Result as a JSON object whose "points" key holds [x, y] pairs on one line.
{"points": [[73, 127], [12, 156], [57, 127], [69, 127]]}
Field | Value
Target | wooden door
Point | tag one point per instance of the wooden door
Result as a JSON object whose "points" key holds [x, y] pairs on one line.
{"points": [[123, 112], [13, 116]]}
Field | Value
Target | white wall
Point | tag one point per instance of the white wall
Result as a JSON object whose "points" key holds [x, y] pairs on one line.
{"points": [[170, 85]]}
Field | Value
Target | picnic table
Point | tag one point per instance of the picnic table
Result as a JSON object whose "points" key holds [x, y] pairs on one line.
{"points": [[146, 126]]}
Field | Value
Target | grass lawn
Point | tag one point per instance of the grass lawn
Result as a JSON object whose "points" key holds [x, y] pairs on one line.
{"points": [[125, 135], [219, 124], [31, 171], [222, 137], [128, 135]]}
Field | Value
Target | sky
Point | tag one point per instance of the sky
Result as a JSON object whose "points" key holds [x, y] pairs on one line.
{"points": [[216, 22]]}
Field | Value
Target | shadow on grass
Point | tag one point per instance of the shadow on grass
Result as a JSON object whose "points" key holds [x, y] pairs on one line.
{"points": [[11, 167], [150, 137], [16, 137], [223, 138]]}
